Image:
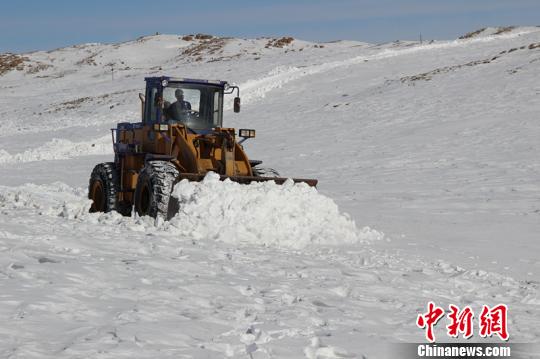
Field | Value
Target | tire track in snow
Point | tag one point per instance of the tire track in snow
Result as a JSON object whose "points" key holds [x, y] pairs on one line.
{"points": [[254, 90]]}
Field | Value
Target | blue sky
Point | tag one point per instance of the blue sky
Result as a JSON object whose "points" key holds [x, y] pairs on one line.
{"points": [[40, 25]]}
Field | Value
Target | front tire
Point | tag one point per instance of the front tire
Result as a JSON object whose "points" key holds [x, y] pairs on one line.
{"points": [[103, 189], [154, 186]]}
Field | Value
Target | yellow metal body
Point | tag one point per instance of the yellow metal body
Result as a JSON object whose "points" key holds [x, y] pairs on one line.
{"points": [[191, 153]]}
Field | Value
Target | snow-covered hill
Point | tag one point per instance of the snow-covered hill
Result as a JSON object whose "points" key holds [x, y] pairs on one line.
{"points": [[434, 144]]}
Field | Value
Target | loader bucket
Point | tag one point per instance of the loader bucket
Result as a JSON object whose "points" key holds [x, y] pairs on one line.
{"points": [[248, 179]]}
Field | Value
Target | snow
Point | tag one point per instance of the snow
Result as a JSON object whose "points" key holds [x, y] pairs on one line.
{"points": [[59, 149], [291, 215], [435, 145]]}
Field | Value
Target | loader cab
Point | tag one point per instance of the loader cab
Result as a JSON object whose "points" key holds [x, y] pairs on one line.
{"points": [[197, 104]]}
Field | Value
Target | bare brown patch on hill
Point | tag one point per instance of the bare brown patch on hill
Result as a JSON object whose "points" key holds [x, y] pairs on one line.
{"points": [[472, 34], [427, 76], [37, 67], [279, 43], [502, 30], [498, 31], [10, 62], [211, 46]]}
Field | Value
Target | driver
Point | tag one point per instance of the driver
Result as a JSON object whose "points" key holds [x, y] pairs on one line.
{"points": [[179, 109]]}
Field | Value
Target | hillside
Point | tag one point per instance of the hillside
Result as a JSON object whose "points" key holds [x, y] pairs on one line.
{"points": [[431, 149]]}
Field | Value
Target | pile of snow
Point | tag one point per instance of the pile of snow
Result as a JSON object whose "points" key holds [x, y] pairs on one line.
{"points": [[291, 215]]}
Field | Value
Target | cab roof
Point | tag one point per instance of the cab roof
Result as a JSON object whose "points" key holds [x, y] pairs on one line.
{"points": [[187, 81]]}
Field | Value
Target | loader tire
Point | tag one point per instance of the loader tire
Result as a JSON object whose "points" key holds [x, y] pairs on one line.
{"points": [[264, 172], [103, 188], [153, 192]]}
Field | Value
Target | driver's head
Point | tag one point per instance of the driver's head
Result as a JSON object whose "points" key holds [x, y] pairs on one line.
{"points": [[179, 94]]}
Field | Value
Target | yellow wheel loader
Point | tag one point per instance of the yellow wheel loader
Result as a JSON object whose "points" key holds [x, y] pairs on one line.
{"points": [[181, 136]]}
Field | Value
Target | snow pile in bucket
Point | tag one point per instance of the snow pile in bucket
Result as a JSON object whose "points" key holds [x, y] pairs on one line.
{"points": [[290, 215]]}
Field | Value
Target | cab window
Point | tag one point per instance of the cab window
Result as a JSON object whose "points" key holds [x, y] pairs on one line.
{"points": [[151, 106], [197, 106]]}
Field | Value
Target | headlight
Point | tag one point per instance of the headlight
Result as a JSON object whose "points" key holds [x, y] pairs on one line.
{"points": [[246, 133]]}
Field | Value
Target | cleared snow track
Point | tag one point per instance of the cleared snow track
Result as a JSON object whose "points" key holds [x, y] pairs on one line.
{"points": [[258, 88]]}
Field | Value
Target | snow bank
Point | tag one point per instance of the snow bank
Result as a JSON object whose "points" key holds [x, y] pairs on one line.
{"points": [[59, 149], [290, 215]]}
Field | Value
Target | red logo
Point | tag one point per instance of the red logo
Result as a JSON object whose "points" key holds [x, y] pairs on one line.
{"points": [[460, 322], [429, 320], [492, 321]]}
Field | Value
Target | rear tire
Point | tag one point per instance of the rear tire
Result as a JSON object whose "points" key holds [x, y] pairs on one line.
{"points": [[103, 189], [154, 186]]}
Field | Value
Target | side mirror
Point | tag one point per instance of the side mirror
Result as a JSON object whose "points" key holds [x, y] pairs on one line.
{"points": [[237, 104]]}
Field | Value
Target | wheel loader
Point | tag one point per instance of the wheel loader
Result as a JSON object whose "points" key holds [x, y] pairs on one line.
{"points": [[181, 136]]}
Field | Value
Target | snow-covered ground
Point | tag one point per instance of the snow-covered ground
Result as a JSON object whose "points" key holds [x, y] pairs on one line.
{"points": [[429, 189]]}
